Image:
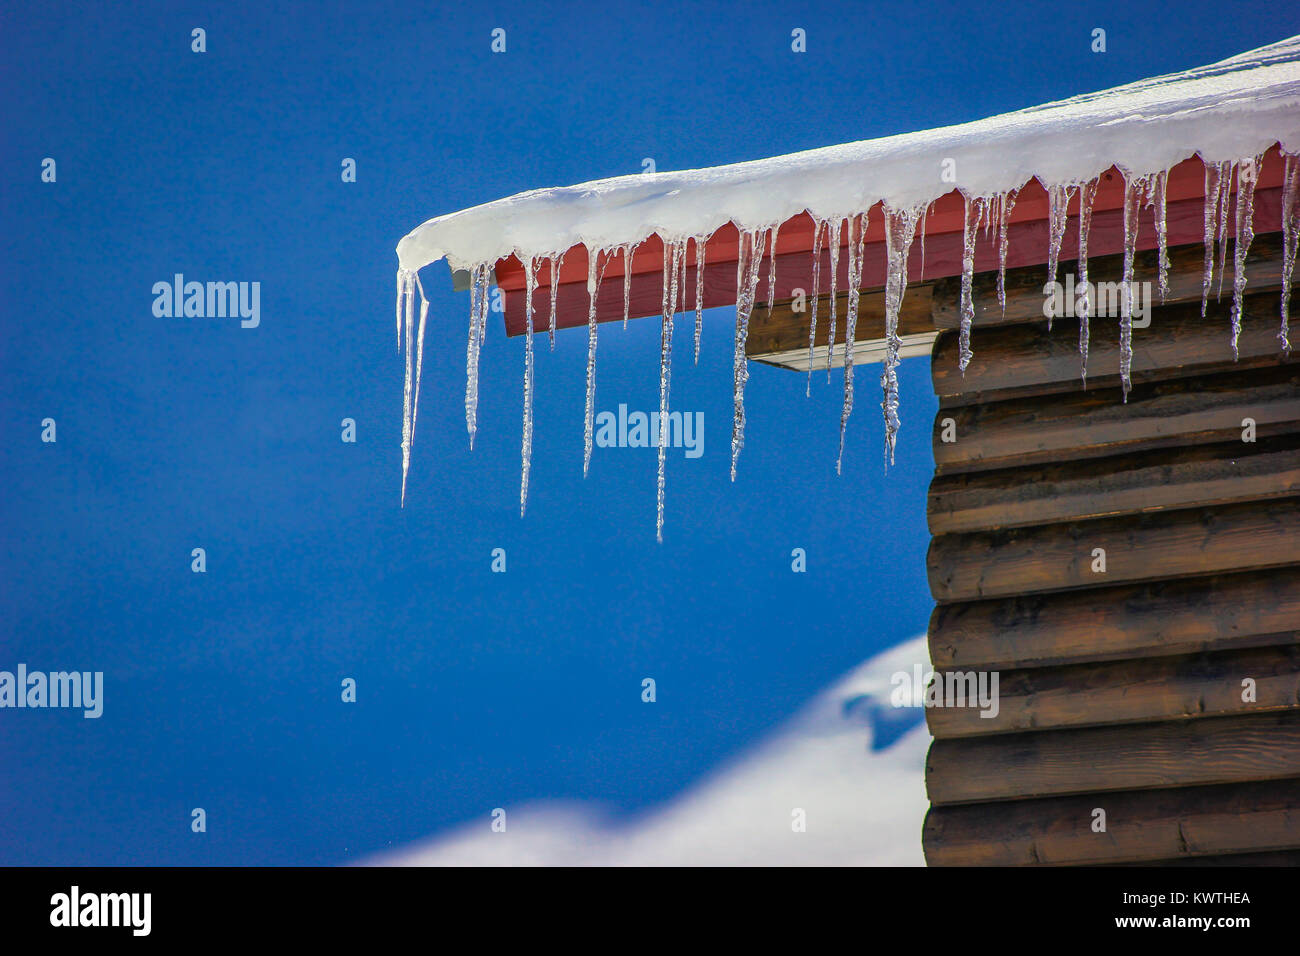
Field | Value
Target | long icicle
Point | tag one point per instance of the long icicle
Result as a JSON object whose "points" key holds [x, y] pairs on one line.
{"points": [[1134, 189], [1228, 170], [526, 450], [556, 263], [1083, 292], [408, 323], [749, 261], [1290, 233], [833, 247], [1058, 216], [924, 218], [401, 280], [700, 243], [674, 254], [818, 225], [900, 229], [419, 355], [857, 230], [478, 309], [771, 269], [1006, 201], [1157, 190], [629, 250], [975, 209], [1213, 183], [593, 289], [1247, 176]]}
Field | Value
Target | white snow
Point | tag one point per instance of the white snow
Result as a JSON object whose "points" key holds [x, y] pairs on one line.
{"points": [[1225, 111], [863, 804]]}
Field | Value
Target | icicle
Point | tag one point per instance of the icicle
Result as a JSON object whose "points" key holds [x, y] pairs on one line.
{"points": [[1083, 303], [681, 273], [970, 230], [1213, 184], [628, 251], [1005, 203], [408, 324], [771, 269], [1058, 216], [749, 261], [556, 263], [1134, 188], [478, 312], [924, 217], [1290, 232], [1156, 198], [419, 355], [1228, 170], [593, 288], [401, 279], [857, 230], [900, 228], [674, 256], [818, 225], [1247, 176], [526, 451], [832, 246], [700, 243]]}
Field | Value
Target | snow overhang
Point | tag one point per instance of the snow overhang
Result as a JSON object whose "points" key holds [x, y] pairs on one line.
{"points": [[1236, 109]]}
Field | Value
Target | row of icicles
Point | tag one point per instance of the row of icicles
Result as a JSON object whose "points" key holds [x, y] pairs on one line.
{"points": [[900, 230]]}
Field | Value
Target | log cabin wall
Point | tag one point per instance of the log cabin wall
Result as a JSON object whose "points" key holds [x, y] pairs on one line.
{"points": [[1121, 690]]}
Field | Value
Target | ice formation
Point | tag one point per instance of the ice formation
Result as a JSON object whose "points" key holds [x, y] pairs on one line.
{"points": [[1228, 113]]}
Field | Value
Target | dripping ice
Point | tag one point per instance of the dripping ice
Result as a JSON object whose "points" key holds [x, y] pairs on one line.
{"points": [[1228, 212]]}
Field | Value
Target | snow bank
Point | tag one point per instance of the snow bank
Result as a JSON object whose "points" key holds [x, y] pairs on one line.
{"points": [[853, 763]]}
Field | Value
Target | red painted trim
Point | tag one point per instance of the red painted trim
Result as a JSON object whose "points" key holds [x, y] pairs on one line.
{"points": [[1028, 231]]}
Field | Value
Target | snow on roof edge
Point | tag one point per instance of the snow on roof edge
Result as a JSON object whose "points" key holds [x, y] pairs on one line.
{"points": [[1229, 110]]}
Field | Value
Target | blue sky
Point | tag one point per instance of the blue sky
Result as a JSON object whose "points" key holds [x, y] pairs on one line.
{"points": [[476, 690]]}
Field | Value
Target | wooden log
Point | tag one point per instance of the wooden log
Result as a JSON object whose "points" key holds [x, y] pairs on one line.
{"points": [[1126, 484], [1126, 692], [1018, 360], [784, 330], [1273, 858], [1025, 295], [1096, 423], [1142, 547], [1141, 826], [1160, 618], [1140, 757]]}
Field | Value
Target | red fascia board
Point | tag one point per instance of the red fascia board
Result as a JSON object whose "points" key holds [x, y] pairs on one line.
{"points": [[1027, 245]]}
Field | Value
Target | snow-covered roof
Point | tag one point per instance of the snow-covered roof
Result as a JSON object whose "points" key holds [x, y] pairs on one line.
{"points": [[1225, 111]]}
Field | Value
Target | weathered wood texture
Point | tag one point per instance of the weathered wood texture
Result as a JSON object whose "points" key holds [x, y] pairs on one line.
{"points": [[1126, 692], [1151, 481], [1141, 826], [1142, 547], [784, 329], [1118, 688], [1267, 858], [1025, 295], [1018, 360], [1155, 619], [1263, 746], [1177, 413]]}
